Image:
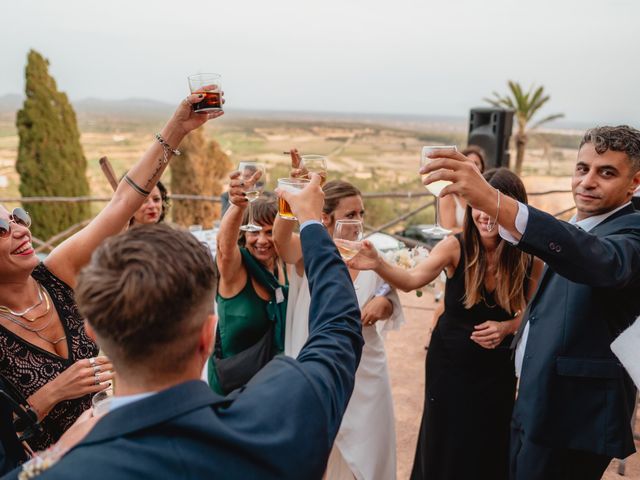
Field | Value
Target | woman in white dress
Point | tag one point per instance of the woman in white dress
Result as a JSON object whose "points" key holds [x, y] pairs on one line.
{"points": [[365, 448]]}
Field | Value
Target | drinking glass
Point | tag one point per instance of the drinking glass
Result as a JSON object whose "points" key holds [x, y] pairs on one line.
{"points": [[101, 401], [289, 185], [435, 188], [314, 164], [253, 175], [347, 235], [209, 85]]}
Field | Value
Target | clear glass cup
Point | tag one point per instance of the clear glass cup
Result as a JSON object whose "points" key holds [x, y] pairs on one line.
{"points": [[101, 402], [347, 235], [289, 185], [209, 85], [314, 164], [252, 173], [435, 188]]}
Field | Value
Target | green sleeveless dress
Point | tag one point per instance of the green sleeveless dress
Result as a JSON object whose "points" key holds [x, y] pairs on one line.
{"points": [[245, 318]]}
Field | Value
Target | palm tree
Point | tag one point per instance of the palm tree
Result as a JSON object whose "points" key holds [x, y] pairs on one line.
{"points": [[525, 105]]}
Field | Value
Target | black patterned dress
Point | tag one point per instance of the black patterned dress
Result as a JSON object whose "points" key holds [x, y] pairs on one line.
{"points": [[30, 367], [469, 394]]}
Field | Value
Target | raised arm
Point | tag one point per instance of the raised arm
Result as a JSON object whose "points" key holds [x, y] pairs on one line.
{"points": [[447, 213], [444, 255], [287, 243], [228, 255], [68, 258]]}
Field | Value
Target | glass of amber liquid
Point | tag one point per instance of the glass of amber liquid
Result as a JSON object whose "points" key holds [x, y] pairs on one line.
{"points": [[209, 85], [289, 185], [314, 164]]}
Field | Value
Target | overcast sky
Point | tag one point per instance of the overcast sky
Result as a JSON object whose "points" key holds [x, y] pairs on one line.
{"points": [[394, 56]]}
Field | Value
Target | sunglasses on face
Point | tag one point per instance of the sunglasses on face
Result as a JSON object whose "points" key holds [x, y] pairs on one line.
{"points": [[18, 216]]}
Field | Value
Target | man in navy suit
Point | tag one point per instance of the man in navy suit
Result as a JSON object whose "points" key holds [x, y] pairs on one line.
{"points": [[147, 295], [575, 400]]}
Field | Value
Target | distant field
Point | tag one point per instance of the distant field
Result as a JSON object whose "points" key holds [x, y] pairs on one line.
{"points": [[375, 156]]}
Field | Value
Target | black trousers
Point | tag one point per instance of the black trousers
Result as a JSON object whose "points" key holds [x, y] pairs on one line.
{"points": [[530, 461]]}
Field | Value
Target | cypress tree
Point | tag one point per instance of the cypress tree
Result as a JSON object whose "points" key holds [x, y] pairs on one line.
{"points": [[200, 170], [50, 158]]}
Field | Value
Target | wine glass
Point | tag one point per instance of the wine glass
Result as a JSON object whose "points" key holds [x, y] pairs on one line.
{"points": [[437, 231], [347, 235], [253, 175], [314, 164]]}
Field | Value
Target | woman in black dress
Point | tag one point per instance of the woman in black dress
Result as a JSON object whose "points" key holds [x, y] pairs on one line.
{"points": [[470, 379]]}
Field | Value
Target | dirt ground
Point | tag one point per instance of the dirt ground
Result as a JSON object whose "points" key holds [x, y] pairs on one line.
{"points": [[406, 355]]}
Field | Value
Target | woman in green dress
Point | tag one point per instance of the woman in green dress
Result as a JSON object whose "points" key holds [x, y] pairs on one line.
{"points": [[252, 291]]}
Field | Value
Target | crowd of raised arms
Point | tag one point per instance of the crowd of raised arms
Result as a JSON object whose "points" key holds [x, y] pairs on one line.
{"points": [[131, 351]]}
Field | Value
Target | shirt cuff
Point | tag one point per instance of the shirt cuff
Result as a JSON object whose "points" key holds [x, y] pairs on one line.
{"points": [[522, 218], [309, 222], [383, 291]]}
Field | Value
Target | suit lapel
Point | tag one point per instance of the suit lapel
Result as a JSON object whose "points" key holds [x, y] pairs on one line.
{"points": [[157, 408]]}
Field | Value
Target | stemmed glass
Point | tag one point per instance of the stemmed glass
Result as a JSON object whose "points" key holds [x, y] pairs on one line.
{"points": [[435, 188], [347, 235], [314, 164], [252, 173]]}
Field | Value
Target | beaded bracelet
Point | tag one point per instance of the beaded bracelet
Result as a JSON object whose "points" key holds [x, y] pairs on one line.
{"points": [[166, 148]]}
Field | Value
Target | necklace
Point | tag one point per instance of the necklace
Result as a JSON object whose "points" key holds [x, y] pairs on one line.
{"points": [[46, 310], [26, 327], [18, 322], [28, 309], [35, 330]]}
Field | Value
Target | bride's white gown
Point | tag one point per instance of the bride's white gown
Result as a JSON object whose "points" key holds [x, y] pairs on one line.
{"points": [[365, 447]]}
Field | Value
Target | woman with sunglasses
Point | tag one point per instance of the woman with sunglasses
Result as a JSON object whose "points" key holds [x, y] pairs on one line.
{"points": [[44, 347]]}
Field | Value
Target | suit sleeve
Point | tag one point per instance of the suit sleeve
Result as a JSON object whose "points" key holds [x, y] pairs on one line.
{"points": [[611, 260], [331, 355]]}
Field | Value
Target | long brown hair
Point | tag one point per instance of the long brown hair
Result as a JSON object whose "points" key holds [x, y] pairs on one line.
{"points": [[512, 264]]}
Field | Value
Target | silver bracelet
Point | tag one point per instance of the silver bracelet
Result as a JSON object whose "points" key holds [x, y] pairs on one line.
{"points": [[491, 226], [166, 148]]}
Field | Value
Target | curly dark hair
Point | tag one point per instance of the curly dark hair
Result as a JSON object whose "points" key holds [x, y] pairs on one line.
{"points": [[166, 203], [622, 138]]}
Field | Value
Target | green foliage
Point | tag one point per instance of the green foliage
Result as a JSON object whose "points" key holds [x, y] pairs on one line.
{"points": [[525, 105], [50, 158]]}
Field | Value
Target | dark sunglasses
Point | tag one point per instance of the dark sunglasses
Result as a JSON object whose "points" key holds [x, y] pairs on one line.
{"points": [[18, 216]]}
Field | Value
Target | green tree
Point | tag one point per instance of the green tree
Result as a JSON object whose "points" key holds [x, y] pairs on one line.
{"points": [[50, 158], [525, 105], [200, 170]]}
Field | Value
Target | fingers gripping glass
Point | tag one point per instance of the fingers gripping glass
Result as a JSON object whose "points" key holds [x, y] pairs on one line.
{"points": [[19, 216], [252, 174], [435, 188], [347, 235]]}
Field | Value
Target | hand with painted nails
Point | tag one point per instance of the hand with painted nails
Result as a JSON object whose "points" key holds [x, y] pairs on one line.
{"points": [[185, 119]]}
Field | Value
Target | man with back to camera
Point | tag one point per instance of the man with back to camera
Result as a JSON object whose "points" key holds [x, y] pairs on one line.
{"points": [[147, 294], [575, 400]]}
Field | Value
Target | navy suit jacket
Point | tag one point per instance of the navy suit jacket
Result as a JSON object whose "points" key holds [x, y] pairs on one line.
{"points": [[281, 425], [574, 393]]}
